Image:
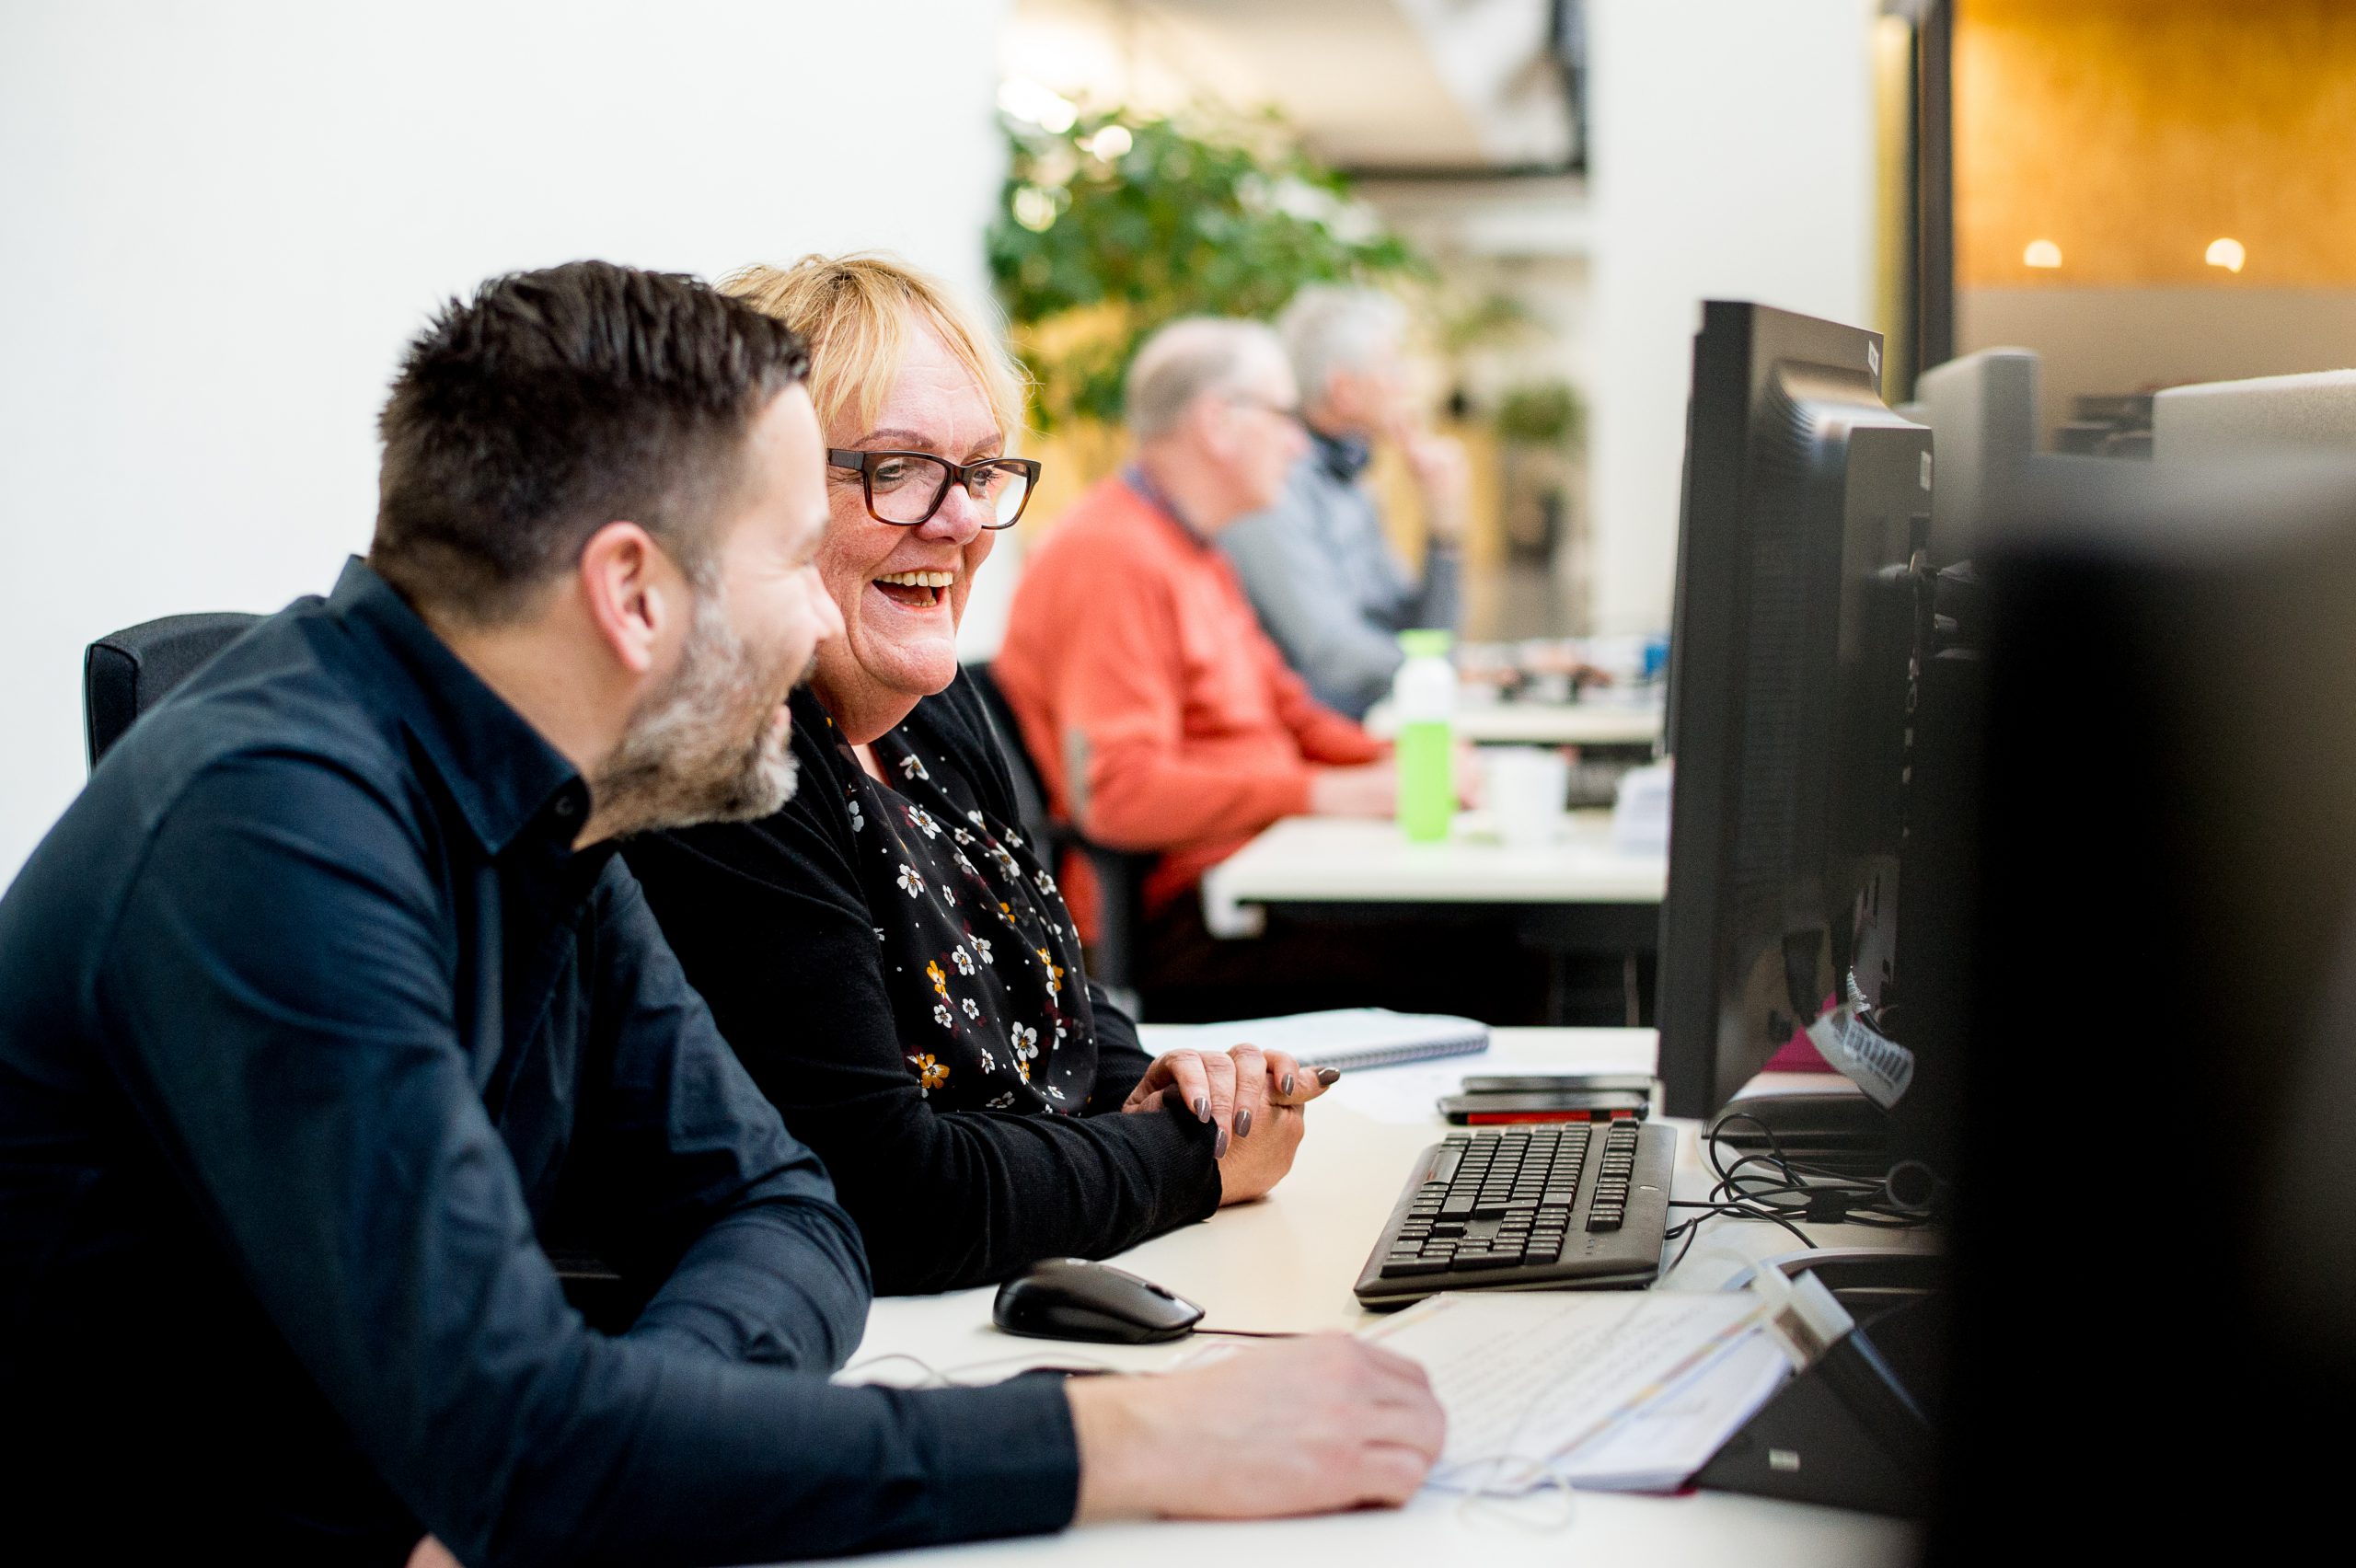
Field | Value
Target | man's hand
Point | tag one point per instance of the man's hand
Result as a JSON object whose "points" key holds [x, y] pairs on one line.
{"points": [[1309, 1427], [1441, 478], [1369, 789], [1472, 776]]}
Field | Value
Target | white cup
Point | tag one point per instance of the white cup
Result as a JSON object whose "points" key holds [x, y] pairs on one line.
{"points": [[1526, 786]]}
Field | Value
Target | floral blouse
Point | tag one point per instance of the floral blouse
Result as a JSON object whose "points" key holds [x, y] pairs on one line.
{"points": [[983, 963]]}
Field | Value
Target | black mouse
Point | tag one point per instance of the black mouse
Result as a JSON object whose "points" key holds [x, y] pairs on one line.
{"points": [[1070, 1299]]}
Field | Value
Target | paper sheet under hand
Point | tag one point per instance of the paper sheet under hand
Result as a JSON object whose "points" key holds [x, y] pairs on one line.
{"points": [[1660, 1445], [1532, 1381]]}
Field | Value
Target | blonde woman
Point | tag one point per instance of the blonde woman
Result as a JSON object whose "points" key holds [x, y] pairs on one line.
{"points": [[888, 955]]}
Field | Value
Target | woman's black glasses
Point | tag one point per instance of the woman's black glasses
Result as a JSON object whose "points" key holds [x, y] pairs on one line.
{"points": [[908, 488]]}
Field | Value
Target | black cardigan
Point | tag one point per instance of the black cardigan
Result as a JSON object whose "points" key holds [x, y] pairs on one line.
{"points": [[771, 924]]}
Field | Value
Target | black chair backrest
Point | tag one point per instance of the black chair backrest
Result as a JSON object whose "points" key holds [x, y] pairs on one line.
{"points": [[1120, 874], [1029, 788], [128, 672]]}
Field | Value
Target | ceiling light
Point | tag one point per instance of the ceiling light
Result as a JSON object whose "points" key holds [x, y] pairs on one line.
{"points": [[2041, 253], [2226, 253]]}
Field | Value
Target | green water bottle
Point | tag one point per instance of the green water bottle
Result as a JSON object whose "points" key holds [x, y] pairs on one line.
{"points": [[1423, 695]]}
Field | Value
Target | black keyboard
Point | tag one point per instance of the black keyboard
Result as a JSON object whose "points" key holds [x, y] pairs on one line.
{"points": [[1553, 1206]]}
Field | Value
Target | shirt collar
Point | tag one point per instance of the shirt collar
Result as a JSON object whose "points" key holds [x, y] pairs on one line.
{"points": [[1343, 456], [1133, 476], [500, 772]]}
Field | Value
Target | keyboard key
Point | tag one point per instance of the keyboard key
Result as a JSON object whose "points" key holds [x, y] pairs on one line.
{"points": [[1400, 1268]]}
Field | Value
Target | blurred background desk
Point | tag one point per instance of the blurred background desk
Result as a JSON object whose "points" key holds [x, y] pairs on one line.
{"points": [[1543, 723], [1289, 1264], [1578, 895]]}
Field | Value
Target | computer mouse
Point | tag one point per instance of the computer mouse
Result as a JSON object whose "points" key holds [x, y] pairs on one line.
{"points": [[1070, 1299]]}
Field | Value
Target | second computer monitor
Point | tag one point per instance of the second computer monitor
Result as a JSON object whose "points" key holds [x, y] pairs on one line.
{"points": [[1803, 613]]}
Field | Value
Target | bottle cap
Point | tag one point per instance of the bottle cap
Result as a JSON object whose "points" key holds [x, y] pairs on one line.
{"points": [[1426, 642]]}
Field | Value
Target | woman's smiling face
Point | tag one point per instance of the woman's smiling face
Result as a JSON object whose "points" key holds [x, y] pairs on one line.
{"points": [[902, 590]]}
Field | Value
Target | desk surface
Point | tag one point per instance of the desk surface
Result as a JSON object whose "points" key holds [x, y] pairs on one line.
{"points": [[1603, 723], [1289, 1264], [1345, 860]]}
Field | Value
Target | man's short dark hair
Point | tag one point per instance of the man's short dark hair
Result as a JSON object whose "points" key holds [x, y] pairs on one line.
{"points": [[557, 401]]}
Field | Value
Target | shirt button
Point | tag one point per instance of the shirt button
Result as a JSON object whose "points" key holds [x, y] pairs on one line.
{"points": [[566, 806]]}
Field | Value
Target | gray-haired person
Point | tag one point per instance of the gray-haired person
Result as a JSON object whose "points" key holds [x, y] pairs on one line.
{"points": [[1316, 565]]}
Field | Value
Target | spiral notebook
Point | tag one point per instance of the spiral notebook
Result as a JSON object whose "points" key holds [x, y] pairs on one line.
{"points": [[1350, 1038]]}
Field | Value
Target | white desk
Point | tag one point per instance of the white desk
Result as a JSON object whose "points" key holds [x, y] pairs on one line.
{"points": [[1342, 860], [1594, 723], [1289, 1263]]}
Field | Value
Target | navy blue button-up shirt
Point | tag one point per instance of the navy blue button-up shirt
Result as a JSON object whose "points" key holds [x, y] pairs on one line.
{"points": [[311, 1022]]}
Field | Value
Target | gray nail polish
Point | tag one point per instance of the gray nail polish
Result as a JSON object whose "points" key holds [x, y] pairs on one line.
{"points": [[1202, 1106], [1244, 1123], [1329, 1076], [1218, 1145], [1286, 1085]]}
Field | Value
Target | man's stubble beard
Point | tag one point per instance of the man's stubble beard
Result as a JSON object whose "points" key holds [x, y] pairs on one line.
{"points": [[685, 756]]}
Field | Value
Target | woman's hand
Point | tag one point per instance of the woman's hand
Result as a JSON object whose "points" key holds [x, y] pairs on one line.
{"points": [[1242, 1091]]}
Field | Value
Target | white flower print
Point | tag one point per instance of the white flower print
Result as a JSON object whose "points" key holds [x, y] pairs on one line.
{"points": [[962, 960], [879, 932], [1025, 1040], [964, 864], [1053, 1090], [1015, 839], [1003, 1101], [1047, 883], [941, 1016], [1005, 860], [962, 837], [858, 818], [990, 1063], [1059, 1034], [976, 818], [923, 822], [911, 769], [982, 948], [910, 882], [949, 898], [973, 1009]]}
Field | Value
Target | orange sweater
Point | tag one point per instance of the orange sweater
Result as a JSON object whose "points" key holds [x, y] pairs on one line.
{"points": [[1131, 648]]}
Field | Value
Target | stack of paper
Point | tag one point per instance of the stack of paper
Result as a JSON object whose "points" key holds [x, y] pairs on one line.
{"points": [[1628, 1391]]}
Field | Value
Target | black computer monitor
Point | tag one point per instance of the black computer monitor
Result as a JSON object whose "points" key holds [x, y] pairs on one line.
{"points": [[2155, 1240], [1803, 616]]}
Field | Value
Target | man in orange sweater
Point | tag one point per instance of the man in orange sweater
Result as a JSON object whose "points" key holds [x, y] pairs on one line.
{"points": [[1160, 714]]}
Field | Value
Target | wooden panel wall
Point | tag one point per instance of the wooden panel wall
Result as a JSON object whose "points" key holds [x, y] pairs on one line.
{"points": [[2134, 132]]}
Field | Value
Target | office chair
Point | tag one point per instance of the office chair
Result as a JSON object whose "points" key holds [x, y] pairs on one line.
{"points": [[1120, 873], [126, 673]]}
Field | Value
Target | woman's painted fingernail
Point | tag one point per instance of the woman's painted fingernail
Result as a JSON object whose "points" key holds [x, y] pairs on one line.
{"points": [[1202, 1106], [1218, 1145], [1286, 1085], [1244, 1123], [1329, 1077]]}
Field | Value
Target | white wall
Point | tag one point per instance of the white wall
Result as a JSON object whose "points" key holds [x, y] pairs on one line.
{"points": [[1731, 157], [219, 224]]}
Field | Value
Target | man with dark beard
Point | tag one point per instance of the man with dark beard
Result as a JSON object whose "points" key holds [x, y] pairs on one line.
{"points": [[327, 998]]}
